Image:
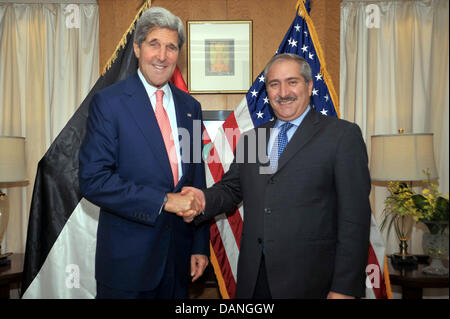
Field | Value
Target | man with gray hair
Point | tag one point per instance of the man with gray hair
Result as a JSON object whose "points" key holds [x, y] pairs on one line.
{"points": [[131, 166], [306, 222]]}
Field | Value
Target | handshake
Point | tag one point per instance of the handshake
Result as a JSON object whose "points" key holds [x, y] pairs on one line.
{"points": [[189, 203]]}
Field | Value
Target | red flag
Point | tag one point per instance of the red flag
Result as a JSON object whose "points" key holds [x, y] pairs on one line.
{"points": [[177, 79]]}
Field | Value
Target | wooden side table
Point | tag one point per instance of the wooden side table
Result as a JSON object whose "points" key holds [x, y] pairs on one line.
{"points": [[414, 280], [11, 274]]}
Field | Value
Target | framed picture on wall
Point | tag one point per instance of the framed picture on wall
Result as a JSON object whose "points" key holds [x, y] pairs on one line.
{"points": [[219, 56]]}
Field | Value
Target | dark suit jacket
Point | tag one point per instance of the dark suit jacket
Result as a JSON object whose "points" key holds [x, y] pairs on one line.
{"points": [[124, 169], [312, 215]]}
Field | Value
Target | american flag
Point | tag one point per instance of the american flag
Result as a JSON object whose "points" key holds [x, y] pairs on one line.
{"points": [[254, 110]]}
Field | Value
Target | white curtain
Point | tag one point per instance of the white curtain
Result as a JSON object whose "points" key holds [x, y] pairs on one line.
{"points": [[394, 73], [49, 60]]}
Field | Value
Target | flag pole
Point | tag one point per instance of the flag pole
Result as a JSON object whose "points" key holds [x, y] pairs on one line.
{"points": [[123, 41], [219, 277], [387, 279]]}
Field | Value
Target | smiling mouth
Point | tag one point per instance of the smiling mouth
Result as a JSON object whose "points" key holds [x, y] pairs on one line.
{"points": [[159, 67]]}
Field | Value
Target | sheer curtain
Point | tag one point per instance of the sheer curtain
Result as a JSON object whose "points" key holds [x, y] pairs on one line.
{"points": [[395, 74], [49, 60]]}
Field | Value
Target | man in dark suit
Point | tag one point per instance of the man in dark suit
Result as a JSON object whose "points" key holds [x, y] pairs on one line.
{"points": [[132, 165], [307, 216]]}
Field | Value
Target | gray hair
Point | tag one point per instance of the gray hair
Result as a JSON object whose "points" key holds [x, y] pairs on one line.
{"points": [[305, 69], [157, 17]]}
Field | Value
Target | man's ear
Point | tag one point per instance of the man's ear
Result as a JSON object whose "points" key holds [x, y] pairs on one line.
{"points": [[310, 87], [137, 50]]}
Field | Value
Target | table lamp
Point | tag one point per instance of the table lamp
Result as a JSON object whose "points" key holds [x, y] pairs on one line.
{"points": [[12, 174], [403, 158]]}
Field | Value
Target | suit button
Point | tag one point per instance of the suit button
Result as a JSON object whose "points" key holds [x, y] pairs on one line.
{"points": [[267, 211], [259, 240]]}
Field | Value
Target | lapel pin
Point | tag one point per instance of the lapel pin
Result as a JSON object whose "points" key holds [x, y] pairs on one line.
{"points": [[189, 115]]}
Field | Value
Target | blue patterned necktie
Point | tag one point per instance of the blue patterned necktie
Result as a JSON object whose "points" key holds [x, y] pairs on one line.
{"points": [[279, 145]]}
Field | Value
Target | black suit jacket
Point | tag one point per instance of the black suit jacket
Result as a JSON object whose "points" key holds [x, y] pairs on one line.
{"points": [[312, 215]]}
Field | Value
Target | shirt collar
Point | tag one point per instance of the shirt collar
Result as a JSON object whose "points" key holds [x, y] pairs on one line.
{"points": [[151, 90], [296, 121]]}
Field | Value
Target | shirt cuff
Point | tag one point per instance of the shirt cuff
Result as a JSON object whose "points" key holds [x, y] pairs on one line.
{"points": [[163, 204]]}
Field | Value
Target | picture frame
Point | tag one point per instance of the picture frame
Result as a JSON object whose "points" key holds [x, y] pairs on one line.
{"points": [[219, 56]]}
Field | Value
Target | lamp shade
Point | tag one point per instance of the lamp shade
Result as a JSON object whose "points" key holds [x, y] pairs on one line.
{"points": [[402, 157], [12, 159]]}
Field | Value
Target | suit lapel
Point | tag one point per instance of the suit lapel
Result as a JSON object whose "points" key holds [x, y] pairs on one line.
{"points": [[308, 128], [183, 122], [262, 156], [141, 109]]}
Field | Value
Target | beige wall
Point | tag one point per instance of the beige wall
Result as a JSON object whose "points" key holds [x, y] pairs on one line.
{"points": [[271, 19]]}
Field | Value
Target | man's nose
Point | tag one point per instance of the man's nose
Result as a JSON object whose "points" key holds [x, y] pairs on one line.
{"points": [[284, 90], [162, 54]]}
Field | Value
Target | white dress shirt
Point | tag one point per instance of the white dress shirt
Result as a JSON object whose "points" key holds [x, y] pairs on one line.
{"points": [[169, 106], [289, 133]]}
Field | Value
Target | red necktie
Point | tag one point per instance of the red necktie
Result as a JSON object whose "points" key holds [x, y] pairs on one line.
{"points": [[166, 131]]}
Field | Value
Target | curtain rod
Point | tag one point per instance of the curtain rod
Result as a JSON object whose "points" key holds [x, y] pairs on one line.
{"points": [[50, 1], [375, 1]]}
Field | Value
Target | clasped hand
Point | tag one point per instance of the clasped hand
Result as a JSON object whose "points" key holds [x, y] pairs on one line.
{"points": [[189, 203]]}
